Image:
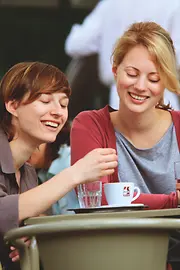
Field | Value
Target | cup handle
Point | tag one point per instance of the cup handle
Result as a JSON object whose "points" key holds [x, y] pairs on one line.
{"points": [[137, 195]]}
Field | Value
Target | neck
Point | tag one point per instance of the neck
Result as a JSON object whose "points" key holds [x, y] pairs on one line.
{"points": [[129, 122], [21, 151]]}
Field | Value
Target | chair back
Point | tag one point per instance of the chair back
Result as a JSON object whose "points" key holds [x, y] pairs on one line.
{"points": [[100, 243]]}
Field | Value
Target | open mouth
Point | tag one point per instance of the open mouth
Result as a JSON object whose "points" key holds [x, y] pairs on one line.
{"points": [[51, 124], [137, 97]]}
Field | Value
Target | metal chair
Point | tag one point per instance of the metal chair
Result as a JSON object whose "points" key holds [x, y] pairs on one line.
{"points": [[96, 243]]}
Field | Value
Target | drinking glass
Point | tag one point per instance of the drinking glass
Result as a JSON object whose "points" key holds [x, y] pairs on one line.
{"points": [[90, 194], [177, 174]]}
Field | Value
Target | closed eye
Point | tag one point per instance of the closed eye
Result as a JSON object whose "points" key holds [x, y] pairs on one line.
{"points": [[64, 106], [132, 75], [64, 103], [45, 101], [154, 81]]}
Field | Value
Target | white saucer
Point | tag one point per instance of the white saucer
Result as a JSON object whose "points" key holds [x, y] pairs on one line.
{"points": [[110, 208], [122, 205]]}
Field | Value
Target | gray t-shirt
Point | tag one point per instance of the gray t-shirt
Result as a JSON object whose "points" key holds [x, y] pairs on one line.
{"points": [[152, 169]]}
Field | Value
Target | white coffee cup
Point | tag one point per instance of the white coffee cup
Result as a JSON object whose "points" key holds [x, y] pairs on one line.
{"points": [[121, 193]]}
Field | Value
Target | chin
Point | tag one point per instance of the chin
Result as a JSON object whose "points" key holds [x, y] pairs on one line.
{"points": [[137, 110], [51, 140], [48, 139]]}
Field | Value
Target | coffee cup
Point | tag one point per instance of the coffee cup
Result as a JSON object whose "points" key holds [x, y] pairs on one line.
{"points": [[121, 193]]}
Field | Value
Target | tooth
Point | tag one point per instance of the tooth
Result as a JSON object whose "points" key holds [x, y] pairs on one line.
{"points": [[137, 97], [51, 124]]}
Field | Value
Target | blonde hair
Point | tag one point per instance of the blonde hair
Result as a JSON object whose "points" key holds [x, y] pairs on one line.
{"points": [[160, 46]]}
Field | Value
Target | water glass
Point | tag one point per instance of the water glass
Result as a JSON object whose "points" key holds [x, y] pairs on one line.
{"points": [[177, 174], [90, 194]]}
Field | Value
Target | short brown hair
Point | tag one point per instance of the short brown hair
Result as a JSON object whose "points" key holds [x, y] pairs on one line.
{"points": [[29, 79]]}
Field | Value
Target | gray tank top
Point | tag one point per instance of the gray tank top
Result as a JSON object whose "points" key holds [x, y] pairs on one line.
{"points": [[152, 169]]}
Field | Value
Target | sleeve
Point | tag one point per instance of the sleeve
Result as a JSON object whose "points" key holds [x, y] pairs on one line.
{"points": [[84, 39], [158, 201], [9, 215], [85, 136]]}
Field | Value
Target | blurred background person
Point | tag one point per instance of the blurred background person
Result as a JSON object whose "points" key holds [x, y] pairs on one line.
{"points": [[88, 92], [51, 158], [108, 20]]}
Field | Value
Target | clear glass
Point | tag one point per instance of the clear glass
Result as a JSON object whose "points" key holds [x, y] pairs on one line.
{"points": [[89, 195], [177, 174]]}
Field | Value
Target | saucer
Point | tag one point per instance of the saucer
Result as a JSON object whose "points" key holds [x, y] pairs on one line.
{"points": [[123, 205], [110, 208]]}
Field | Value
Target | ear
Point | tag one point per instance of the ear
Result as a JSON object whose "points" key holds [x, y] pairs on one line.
{"points": [[114, 70], [11, 107]]}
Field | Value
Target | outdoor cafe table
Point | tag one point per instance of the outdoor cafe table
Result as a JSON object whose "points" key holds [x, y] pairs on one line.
{"points": [[99, 240], [160, 213]]}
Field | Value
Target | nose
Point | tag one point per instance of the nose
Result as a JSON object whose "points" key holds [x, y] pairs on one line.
{"points": [[56, 110], [140, 84]]}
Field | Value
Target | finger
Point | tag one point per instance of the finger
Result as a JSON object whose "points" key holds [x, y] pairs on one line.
{"points": [[12, 248], [25, 238], [28, 242], [108, 158], [177, 186], [109, 165], [107, 172], [106, 151], [15, 259], [13, 253]]}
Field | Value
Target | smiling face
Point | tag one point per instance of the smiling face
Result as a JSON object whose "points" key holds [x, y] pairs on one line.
{"points": [[138, 81], [41, 120]]}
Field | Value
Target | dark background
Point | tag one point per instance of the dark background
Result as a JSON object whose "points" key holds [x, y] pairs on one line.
{"points": [[36, 34]]}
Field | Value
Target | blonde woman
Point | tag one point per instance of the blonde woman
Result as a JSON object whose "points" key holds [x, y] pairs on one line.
{"points": [[145, 132]]}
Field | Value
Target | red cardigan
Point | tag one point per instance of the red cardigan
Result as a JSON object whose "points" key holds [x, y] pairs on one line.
{"points": [[93, 129]]}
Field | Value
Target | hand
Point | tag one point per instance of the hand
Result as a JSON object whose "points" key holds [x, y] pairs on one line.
{"points": [[14, 254], [177, 186], [96, 164], [178, 194]]}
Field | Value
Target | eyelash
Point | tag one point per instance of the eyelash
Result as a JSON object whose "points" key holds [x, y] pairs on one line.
{"points": [[63, 106], [154, 81], [130, 75], [45, 102], [133, 76]]}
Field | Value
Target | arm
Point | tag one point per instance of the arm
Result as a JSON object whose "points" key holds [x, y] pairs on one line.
{"points": [[15, 208], [39, 199], [94, 165], [84, 39], [158, 201]]}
